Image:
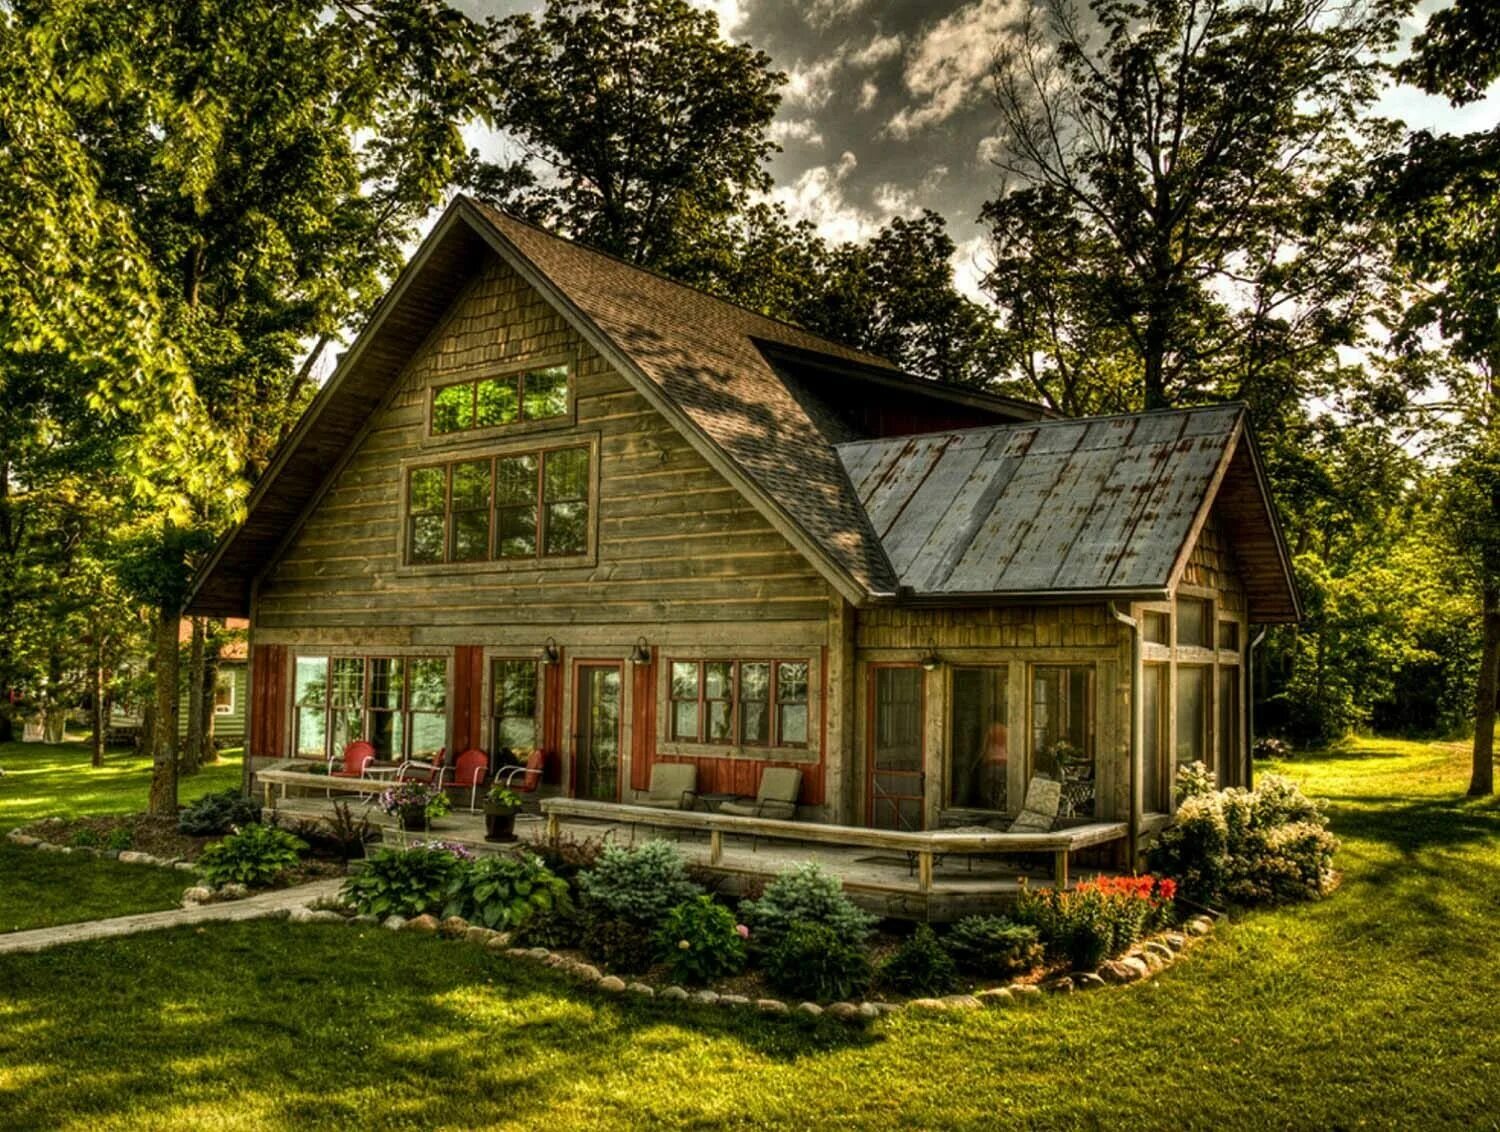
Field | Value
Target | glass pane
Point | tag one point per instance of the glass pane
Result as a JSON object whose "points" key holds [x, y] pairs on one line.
{"points": [[348, 681], [567, 528], [1155, 628], [600, 714], [793, 729], [311, 680], [385, 733], [566, 475], [755, 691], [516, 732], [1229, 723], [1192, 716], [1153, 728], [720, 721], [471, 536], [1229, 635], [546, 393], [453, 408], [497, 402], [791, 682], [515, 532], [515, 480], [684, 680], [425, 542], [515, 687], [429, 685], [1193, 623], [685, 720], [385, 683], [427, 486], [312, 737], [428, 734], [980, 739], [718, 677], [345, 725], [471, 485]]}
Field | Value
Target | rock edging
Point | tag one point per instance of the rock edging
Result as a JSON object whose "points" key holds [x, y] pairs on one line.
{"points": [[124, 856]]}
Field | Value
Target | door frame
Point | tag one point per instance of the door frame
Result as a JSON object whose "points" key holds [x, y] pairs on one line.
{"points": [[575, 763], [872, 677]]}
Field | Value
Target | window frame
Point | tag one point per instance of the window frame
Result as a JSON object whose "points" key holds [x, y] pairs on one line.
{"points": [[226, 675], [518, 370], [736, 742], [330, 656]]}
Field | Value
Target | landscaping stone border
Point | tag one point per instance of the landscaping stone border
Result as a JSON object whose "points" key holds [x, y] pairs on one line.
{"points": [[1141, 962], [124, 856]]}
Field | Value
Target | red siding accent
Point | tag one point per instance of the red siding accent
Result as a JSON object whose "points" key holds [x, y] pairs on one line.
{"points": [[552, 719], [468, 696], [642, 723], [268, 702]]}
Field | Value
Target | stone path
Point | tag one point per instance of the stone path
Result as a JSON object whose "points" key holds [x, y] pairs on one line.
{"points": [[266, 905]]}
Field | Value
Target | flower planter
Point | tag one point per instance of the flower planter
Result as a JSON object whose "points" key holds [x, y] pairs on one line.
{"points": [[500, 824], [413, 819]]}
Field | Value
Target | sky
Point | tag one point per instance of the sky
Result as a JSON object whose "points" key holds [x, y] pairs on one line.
{"points": [[886, 108]]}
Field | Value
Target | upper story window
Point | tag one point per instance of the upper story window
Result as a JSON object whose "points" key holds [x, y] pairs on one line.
{"points": [[1195, 625], [536, 394], [514, 506]]}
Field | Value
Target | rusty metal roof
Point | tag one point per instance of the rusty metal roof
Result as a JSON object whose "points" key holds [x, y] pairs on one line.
{"points": [[1092, 506]]}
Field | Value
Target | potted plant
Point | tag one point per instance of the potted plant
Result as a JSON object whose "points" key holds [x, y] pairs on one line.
{"points": [[415, 804], [501, 805]]}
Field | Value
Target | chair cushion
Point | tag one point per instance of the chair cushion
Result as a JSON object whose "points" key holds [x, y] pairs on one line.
{"points": [[1029, 821], [1043, 796], [782, 811], [779, 784], [745, 809], [670, 781]]}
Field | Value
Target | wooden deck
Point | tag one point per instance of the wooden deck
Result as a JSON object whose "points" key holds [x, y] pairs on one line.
{"points": [[937, 875]]}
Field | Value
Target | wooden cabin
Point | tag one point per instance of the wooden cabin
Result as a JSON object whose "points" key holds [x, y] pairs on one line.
{"points": [[550, 499]]}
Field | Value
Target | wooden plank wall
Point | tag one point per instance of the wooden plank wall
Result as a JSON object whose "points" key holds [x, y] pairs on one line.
{"points": [[468, 697], [268, 702]]}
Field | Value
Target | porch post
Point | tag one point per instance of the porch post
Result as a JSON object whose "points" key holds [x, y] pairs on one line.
{"points": [[1137, 739]]}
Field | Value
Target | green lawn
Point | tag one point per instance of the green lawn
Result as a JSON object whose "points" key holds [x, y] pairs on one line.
{"points": [[42, 889], [1376, 1007]]}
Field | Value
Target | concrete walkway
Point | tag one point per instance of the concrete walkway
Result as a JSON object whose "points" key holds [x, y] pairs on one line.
{"points": [[251, 908]]}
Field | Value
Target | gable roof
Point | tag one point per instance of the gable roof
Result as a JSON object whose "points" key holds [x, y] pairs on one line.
{"points": [[1093, 507]]}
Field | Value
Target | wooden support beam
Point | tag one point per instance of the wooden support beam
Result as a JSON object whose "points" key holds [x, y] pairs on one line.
{"points": [[1060, 868], [715, 846], [554, 830], [924, 870]]}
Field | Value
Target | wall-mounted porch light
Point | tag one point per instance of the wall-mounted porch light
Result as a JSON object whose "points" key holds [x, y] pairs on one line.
{"points": [[931, 661], [641, 654], [549, 651]]}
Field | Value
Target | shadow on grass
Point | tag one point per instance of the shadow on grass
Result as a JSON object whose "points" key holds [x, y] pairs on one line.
{"points": [[331, 1026], [1413, 826]]}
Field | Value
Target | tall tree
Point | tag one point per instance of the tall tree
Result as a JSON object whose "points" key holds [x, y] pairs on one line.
{"points": [[651, 131], [1206, 153]]}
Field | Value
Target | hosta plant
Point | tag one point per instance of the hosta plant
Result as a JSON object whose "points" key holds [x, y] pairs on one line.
{"points": [[402, 882], [504, 892], [255, 856]]}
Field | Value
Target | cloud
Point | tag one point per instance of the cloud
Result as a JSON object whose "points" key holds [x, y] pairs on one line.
{"points": [[868, 93], [989, 149], [878, 50], [803, 130], [947, 67], [970, 265], [732, 13], [811, 84], [818, 196], [825, 13]]}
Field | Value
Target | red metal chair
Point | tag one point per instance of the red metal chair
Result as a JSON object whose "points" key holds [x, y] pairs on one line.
{"points": [[357, 756], [524, 779], [471, 769], [429, 774]]}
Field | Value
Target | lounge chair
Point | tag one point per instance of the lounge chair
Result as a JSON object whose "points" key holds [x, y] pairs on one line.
{"points": [[471, 769], [776, 798], [355, 760], [674, 786], [1039, 811]]}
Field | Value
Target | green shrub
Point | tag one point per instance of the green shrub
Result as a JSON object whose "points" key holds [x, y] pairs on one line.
{"points": [[816, 962], [1236, 846], [700, 941], [119, 839], [1097, 919], [920, 966], [641, 885], [84, 839], [402, 882], [559, 927], [620, 944], [1193, 781], [504, 892], [216, 814], [993, 946], [255, 856], [805, 895]]}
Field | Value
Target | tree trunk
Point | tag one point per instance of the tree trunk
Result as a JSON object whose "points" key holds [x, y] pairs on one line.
{"points": [[210, 753], [199, 703], [1483, 778], [164, 719], [101, 713]]}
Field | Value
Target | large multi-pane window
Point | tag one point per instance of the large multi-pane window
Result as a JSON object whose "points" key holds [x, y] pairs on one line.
{"points": [[1062, 732], [1192, 716], [492, 402], [400, 704], [513, 703], [521, 505], [1195, 626], [1155, 758], [980, 738], [755, 703]]}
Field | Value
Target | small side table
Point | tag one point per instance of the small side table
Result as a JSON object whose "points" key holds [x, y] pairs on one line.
{"points": [[711, 802]]}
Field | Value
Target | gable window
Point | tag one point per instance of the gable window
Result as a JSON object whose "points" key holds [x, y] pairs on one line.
{"points": [[520, 505], [1062, 732], [1194, 623], [513, 693], [757, 703], [536, 394], [399, 704], [1192, 716]]}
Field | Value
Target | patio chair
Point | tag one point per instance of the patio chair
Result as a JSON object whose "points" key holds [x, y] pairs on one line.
{"points": [[1039, 811], [674, 786], [356, 758], [524, 779], [471, 769], [776, 798], [429, 774]]}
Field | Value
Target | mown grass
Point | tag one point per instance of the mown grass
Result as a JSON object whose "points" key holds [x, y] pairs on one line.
{"points": [[1372, 1008], [40, 890]]}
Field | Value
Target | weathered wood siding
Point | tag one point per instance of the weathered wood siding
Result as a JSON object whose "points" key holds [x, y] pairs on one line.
{"points": [[268, 702]]}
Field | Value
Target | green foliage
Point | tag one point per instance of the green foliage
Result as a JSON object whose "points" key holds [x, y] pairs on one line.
{"points": [[1248, 847], [699, 941], [993, 946], [119, 839], [504, 892], [1193, 781], [257, 855], [402, 882], [805, 895], [215, 814], [620, 944], [641, 885], [920, 966], [1097, 919], [84, 839], [559, 927], [816, 962]]}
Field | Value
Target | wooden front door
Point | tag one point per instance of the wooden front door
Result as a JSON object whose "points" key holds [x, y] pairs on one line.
{"points": [[894, 774], [596, 731]]}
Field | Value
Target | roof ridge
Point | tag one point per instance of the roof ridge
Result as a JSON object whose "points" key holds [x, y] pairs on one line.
{"points": [[699, 291]]}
